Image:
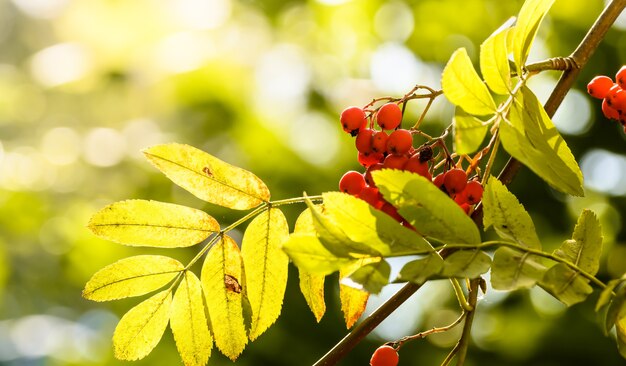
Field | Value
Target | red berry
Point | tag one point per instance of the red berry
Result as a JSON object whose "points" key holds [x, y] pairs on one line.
{"points": [[599, 86], [390, 210], [620, 77], [371, 196], [385, 356], [368, 173], [473, 192], [379, 142], [611, 94], [608, 111], [352, 182], [363, 140], [369, 159], [460, 198], [466, 207], [353, 119], [395, 161], [438, 181], [619, 101], [455, 180], [389, 116], [399, 142], [416, 165]]}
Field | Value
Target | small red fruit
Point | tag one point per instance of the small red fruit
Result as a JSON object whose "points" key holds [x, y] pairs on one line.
{"points": [[416, 165], [455, 181], [608, 111], [399, 142], [353, 119], [379, 142], [620, 77], [466, 207], [611, 94], [395, 161], [599, 86], [352, 182], [363, 140], [370, 158], [473, 192], [438, 181], [385, 356], [389, 116]]}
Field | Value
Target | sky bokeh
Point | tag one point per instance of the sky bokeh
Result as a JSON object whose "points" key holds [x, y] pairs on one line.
{"points": [[85, 85]]}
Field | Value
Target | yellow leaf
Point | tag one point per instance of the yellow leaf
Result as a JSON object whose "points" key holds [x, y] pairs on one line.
{"points": [[152, 223], [132, 276], [207, 177], [266, 268], [311, 285], [221, 282], [142, 327], [353, 302], [189, 324]]}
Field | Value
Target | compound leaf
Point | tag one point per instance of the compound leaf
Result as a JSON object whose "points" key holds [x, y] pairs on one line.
{"points": [[463, 87], [311, 285], [142, 327], [466, 264], [222, 286], [132, 276], [528, 21], [512, 269], [364, 224], [469, 132], [532, 139], [420, 270], [494, 62], [566, 284], [266, 268], [152, 223], [508, 217], [208, 177], [189, 323], [585, 246], [353, 301], [426, 207]]}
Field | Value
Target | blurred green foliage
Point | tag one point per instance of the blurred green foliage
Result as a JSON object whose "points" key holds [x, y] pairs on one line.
{"points": [[85, 85]]}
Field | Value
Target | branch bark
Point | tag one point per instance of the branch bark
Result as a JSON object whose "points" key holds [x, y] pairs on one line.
{"points": [[580, 56]]}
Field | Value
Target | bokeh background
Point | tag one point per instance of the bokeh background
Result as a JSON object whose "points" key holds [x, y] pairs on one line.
{"points": [[85, 85]]}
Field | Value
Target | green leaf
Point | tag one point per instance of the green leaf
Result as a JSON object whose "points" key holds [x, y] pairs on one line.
{"points": [[132, 276], [420, 270], [426, 207], [310, 256], [508, 217], [189, 323], [364, 224], [372, 277], [494, 62], [311, 285], [585, 246], [142, 327], [532, 139], [512, 269], [469, 132], [463, 87], [222, 281], [466, 264], [335, 240], [528, 21], [566, 284], [266, 268], [353, 301], [207, 177], [607, 294], [152, 223], [614, 310]]}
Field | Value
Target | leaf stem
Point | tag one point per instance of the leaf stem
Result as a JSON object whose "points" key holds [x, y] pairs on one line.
{"points": [[469, 319], [458, 291], [290, 201], [400, 342]]}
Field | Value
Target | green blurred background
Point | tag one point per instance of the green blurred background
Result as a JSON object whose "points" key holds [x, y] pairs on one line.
{"points": [[85, 85]]}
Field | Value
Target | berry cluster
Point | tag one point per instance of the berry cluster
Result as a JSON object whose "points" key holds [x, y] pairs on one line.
{"points": [[612, 94], [378, 149], [384, 356]]}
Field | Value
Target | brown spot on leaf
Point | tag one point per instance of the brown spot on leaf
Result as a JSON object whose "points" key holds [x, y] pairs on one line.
{"points": [[232, 284], [207, 171]]}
